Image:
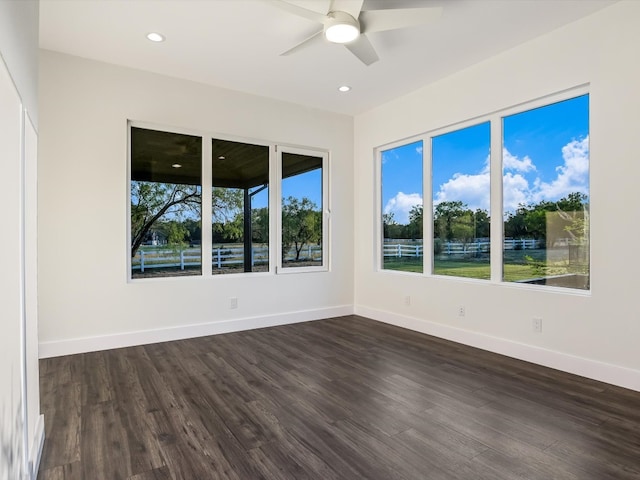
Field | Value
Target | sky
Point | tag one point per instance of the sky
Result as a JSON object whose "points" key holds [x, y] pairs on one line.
{"points": [[545, 157], [308, 185]]}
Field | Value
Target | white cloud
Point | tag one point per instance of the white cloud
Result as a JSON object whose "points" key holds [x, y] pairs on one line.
{"points": [[473, 189], [401, 205], [419, 149], [470, 189], [512, 162], [515, 191], [573, 175]]}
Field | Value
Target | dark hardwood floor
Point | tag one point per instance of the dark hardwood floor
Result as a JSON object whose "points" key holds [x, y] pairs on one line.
{"points": [[344, 398]]}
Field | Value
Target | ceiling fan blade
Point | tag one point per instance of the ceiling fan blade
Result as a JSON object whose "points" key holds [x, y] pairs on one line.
{"points": [[381, 20], [315, 38], [352, 7], [299, 11], [362, 48]]}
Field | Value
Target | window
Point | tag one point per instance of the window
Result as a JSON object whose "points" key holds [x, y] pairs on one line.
{"points": [[303, 226], [166, 209], [402, 208], [546, 195], [175, 231], [461, 196], [537, 172], [240, 207]]}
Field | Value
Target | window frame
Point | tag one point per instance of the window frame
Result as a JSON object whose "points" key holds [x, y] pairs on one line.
{"points": [[495, 118], [444, 131], [180, 131], [274, 204], [326, 209], [426, 190]]}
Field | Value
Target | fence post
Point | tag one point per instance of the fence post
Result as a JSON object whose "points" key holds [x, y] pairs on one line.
{"points": [[448, 248], [219, 255], [399, 254], [181, 259], [141, 261]]}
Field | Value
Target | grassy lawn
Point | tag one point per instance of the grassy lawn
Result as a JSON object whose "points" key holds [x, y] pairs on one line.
{"points": [[516, 267]]}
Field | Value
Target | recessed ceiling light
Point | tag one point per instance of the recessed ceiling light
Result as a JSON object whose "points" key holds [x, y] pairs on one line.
{"points": [[176, 165], [344, 88], [221, 157], [155, 37]]}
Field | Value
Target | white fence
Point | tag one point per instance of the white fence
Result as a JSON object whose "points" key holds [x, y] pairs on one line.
{"points": [[457, 248], [221, 257]]}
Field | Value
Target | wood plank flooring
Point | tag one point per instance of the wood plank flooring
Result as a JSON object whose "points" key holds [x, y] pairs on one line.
{"points": [[344, 398]]}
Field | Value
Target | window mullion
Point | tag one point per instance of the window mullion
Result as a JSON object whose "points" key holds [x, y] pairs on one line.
{"points": [[496, 199], [207, 213], [275, 205], [427, 207]]}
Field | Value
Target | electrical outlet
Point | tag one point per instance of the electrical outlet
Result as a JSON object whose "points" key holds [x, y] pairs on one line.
{"points": [[407, 300], [537, 324], [462, 311], [233, 302]]}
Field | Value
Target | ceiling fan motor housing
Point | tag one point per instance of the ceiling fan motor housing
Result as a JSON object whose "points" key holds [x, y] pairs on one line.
{"points": [[340, 27]]}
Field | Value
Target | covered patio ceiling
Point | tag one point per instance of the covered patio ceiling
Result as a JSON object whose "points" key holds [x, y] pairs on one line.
{"points": [[156, 156]]}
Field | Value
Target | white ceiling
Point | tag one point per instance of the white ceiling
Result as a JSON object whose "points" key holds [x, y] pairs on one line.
{"points": [[236, 43]]}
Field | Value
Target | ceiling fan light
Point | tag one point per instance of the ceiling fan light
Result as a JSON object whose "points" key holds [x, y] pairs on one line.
{"points": [[340, 27]]}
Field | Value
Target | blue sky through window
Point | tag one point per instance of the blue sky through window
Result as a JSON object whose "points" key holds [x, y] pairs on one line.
{"points": [[545, 157], [307, 184], [546, 153], [402, 180]]}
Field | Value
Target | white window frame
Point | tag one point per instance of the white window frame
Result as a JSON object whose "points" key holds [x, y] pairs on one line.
{"points": [[326, 209], [428, 219], [275, 204], [426, 190], [205, 180], [496, 193]]}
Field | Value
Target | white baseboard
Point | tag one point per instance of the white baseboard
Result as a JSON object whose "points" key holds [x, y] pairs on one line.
{"points": [[35, 453], [130, 339], [604, 372]]}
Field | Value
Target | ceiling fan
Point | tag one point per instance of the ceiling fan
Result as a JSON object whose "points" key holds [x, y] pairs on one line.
{"points": [[347, 23]]}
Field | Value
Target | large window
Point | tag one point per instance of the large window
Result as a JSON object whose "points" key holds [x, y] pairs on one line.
{"points": [[402, 209], [545, 161], [303, 228], [536, 177], [166, 207], [461, 197], [175, 230]]}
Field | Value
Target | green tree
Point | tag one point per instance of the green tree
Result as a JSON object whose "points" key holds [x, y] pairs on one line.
{"points": [[391, 228], [194, 227], [462, 227], [260, 224], [547, 220], [301, 224], [176, 234], [445, 216], [150, 201], [482, 223], [415, 229]]}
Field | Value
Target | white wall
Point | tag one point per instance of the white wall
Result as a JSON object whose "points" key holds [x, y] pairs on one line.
{"points": [[86, 302], [21, 425], [594, 335], [19, 41], [11, 398]]}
